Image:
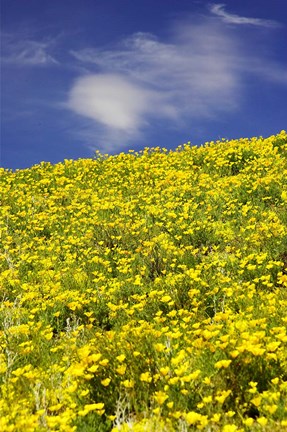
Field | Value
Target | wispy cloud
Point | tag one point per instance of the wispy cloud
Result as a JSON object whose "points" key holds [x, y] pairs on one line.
{"points": [[198, 73], [144, 79], [219, 10], [26, 52]]}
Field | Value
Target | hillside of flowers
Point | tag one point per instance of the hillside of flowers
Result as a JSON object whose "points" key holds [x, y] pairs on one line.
{"points": [[146, 291]]}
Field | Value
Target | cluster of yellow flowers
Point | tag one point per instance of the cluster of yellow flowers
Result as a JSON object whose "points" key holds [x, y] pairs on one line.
{"points": [[146, 291]]}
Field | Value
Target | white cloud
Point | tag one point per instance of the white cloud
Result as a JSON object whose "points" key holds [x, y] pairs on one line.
{"points": [[111, 100], [25, 52], [218, 9], [119, 106]]}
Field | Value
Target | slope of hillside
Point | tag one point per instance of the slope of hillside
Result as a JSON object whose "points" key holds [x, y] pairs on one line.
{"points": [[146, 291]]}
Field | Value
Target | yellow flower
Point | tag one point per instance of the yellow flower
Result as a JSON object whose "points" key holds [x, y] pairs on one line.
{"points": [[164, 370], [173, 380], [106, 382], [207, 399], [128, 383], [95, 357], [249, 421], [229, 428], [262, 421], [256, 401], [146, 377], [156, 410], [275, 380], [222, 396], [166, 299], [271, 408], [121, 369], [55, 407], [159, 347], [195, 374], [98, 407], [222, 364], [207, 380], [256, 350], [179, 358], [93, 368], [192, 417], [121, 358], [216, 418], [160, 397], [77, 369]]}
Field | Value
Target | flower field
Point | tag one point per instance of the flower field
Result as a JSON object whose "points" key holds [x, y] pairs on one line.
{"points": [[146, 291]]}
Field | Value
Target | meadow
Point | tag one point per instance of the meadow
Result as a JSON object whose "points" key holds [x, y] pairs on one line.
{"points": [[146, 291]]}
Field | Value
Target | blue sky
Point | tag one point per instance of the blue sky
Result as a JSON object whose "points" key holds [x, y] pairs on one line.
{"points": [[115, 75]]}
